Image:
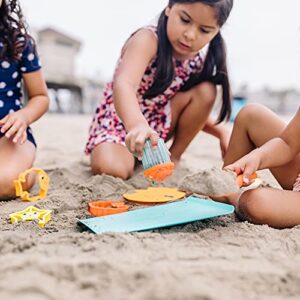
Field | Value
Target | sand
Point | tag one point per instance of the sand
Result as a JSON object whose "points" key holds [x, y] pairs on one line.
{"points": [[210, 181], [221, 258]]}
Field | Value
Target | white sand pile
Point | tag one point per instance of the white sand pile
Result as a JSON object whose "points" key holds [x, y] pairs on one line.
{"points": [[213, 181]]}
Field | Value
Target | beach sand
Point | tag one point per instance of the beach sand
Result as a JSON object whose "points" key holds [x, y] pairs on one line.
{"points": [[221, 258]]}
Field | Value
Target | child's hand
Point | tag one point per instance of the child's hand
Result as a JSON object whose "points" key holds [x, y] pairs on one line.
{"points": [[15, 125], [246, 165], [136, 137]]}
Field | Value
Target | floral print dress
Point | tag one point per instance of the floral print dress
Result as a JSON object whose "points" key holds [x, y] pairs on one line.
{"points": [[107, 126]]}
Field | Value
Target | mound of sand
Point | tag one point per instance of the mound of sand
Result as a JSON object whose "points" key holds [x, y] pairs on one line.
{"points": [[213, 181]]}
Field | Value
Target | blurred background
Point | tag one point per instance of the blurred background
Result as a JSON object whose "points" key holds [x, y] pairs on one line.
{"points": [[79, 43]]}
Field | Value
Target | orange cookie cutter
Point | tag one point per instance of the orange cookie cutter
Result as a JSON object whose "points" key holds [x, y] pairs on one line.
{"points": [[105, 208], [43, 180]]}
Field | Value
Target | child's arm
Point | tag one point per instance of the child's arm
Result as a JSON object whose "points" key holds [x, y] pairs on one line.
{"points": [[137, 54], [276, 152], [219, 131], [16, 123]]}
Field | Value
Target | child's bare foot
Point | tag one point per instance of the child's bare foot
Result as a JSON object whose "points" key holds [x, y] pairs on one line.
{"points": [[232, 198]]}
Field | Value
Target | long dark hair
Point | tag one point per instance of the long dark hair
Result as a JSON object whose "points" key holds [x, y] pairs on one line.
{"points": [[13, 30], [215, 66]]}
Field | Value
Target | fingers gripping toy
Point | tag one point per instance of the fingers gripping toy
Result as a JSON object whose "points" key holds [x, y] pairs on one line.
{"points": [[156, 161], [240, 181], [43, 180]]}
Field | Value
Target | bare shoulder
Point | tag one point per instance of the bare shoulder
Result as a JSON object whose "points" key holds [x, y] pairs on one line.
{"points": [[143, 41], [145, 36]]}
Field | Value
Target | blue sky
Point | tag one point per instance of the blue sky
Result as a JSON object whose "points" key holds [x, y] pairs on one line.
{"points": [[263, 36]]}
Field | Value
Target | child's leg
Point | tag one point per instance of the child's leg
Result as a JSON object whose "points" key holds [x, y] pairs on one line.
{"points": [[14, 159], [112, 159], [277, 208], [254, 126], [190, 111]]}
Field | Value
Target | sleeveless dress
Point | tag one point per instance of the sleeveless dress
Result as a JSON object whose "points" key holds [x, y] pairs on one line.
{"points": [[11, 82], [106, 125]]}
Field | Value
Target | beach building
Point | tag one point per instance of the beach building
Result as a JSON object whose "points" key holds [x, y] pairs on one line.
{"points": [[69, 92]]}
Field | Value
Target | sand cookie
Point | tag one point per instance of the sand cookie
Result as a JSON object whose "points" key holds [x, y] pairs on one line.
{"points": [[154, 194]]}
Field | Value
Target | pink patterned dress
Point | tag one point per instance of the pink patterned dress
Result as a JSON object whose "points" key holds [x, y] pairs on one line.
{"points": [[107, 126]]}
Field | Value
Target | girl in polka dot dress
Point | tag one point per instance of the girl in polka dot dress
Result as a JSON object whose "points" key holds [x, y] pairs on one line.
{"points": [[164, 86], [19, 64]]}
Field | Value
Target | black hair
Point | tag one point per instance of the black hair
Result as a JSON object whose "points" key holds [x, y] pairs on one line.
{"points": [[13, 30], [215, 66]]}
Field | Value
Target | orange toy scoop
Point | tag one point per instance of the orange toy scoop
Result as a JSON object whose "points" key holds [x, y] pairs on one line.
{"points": [[160, 172], [156, 161], [240, 182], [105, 208]]}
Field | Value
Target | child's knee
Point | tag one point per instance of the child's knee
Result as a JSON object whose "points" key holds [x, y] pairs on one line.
{"points": [[206, 91], [253, 206], [7, 187], [249, 113], [112, 170]]}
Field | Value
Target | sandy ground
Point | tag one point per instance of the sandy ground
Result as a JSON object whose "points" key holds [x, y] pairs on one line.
{"points": [[221, 258]]}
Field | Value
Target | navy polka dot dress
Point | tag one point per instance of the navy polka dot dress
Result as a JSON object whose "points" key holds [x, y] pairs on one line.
{"points": [[11, 82]]}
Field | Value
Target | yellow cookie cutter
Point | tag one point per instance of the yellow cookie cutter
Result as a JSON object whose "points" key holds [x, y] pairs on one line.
{"points": [[43, 180], [32, 213]]}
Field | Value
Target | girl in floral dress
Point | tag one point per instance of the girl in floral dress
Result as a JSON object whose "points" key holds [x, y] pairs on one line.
{"points": [[164, 86]]}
